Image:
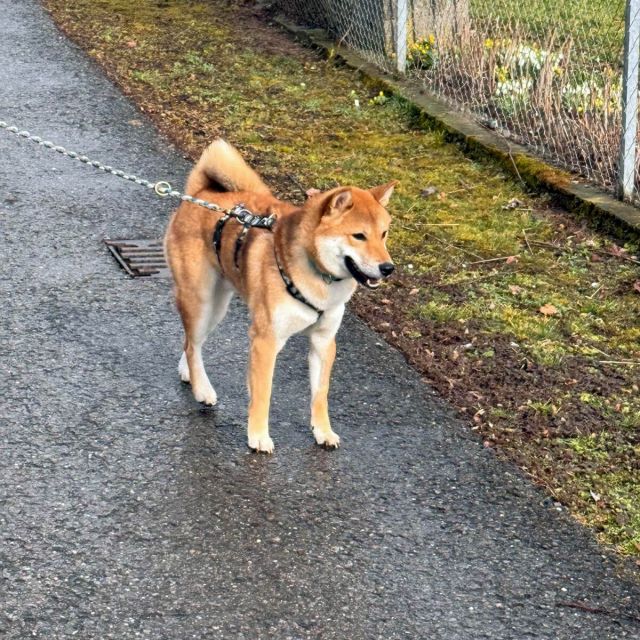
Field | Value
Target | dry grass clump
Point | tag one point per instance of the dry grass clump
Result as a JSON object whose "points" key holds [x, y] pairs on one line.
{"points": [[538, 92]]}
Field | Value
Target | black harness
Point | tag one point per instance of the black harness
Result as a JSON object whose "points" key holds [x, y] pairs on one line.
{"points": [[217, 237], [292, 289], [249, 220]]}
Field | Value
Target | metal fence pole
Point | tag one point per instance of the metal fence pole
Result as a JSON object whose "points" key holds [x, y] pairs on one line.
{"points": [[627, 165], [401, 34]]}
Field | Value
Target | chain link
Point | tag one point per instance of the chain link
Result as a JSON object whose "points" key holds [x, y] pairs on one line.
{"points": [[162, 188]]}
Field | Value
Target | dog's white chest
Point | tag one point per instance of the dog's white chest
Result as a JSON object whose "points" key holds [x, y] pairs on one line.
{"points": [[293, 317], [340, 293]]}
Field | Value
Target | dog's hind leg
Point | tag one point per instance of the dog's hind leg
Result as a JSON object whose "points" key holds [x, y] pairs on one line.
{"points": [[201, 309]]}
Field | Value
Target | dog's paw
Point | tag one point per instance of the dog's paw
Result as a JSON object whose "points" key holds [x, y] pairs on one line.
{"points": [[183, 369], [206, 395], [329, 439], [262, 443]]}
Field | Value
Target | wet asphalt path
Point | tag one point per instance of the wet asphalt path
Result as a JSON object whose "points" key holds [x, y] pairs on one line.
{"points": [[127, 511]]}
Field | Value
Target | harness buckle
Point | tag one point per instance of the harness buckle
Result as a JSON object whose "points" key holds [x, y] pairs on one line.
{"points": [[249, 219]]}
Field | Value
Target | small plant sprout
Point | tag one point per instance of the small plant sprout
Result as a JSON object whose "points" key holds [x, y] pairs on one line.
{"points": [[380, 99]]}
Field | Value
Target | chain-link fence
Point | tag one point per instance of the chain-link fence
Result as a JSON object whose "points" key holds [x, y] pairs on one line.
{"points": [[548, 74]]}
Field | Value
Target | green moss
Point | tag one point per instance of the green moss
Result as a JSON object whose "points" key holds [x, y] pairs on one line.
{"points": [[440, 309], [547, 408], [592, 447], [534, 171], [500, 413], [612, 507]]}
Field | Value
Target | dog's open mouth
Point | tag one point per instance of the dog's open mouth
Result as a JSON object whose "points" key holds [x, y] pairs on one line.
{"points": [[362, 278]]}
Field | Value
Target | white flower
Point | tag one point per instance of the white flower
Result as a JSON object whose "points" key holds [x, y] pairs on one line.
{"points": [[518, 87]]}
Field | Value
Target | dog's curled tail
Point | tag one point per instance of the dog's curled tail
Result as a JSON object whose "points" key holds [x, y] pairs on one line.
{"points": [[222, 168]]}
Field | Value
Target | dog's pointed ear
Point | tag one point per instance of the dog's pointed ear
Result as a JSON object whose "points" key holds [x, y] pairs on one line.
{"points": [[383, 192], [339, 203]]}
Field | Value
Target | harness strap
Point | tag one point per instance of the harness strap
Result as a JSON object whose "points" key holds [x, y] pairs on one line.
{"points": [[292, 289], [247, 220], [327, 278], [217, 237], [239, 243]]}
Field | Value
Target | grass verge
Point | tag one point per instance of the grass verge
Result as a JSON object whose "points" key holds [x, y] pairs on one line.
{"points": [[525, 321]]}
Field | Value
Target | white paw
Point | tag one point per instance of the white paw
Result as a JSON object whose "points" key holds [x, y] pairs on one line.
{"points": [[329, 439], [207, 395], [183, 369], [261, 443]]}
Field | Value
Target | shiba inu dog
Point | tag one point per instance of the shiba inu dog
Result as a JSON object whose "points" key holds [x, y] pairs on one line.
{"points": [[295, 278]]}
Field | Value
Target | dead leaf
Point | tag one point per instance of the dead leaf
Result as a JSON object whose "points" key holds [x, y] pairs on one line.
{"points": [[617, 251], [595, 258], [428, 191], [636, 286], [413, 292], [514, 203], [132, 44], [548, 310], [442, 196], [385, 301], [512, 259], [311, 192], [515, 289]]}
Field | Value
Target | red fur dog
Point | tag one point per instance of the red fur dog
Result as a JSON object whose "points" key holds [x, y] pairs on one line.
{"points": [[294, 279]]}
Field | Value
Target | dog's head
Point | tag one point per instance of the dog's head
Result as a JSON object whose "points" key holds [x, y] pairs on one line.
{"points": [[351, 236]]}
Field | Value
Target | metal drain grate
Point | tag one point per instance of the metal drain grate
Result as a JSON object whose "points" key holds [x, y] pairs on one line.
{"points": [[140, 258]]}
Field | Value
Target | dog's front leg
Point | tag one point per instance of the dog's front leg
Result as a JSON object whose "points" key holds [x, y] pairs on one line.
{"points": [[322, 353], [262, 360]]}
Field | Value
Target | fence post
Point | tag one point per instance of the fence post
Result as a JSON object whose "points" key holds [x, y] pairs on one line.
{"points": [[627, 164], [401, 34]]}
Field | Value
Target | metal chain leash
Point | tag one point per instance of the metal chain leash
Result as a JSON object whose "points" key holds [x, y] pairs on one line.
{"points": [[162, 188]]}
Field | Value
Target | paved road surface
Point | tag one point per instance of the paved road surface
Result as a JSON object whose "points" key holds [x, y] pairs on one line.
{"points": [[126, 511]]}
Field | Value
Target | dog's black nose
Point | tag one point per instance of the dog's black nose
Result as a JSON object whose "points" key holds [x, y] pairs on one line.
{"points": [[386, 268]]}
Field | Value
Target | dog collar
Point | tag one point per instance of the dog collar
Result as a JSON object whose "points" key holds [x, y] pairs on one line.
{"points": [[291, 288], [327, 278]]}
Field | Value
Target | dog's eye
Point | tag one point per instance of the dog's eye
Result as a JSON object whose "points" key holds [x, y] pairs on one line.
{"points": [[359, 236]]}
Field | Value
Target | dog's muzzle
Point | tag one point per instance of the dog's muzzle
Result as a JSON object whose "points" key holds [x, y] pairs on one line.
{"points": [[386, 269]]}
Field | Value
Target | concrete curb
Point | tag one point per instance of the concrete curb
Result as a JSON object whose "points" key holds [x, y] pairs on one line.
{"points": [[601, 210]]}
